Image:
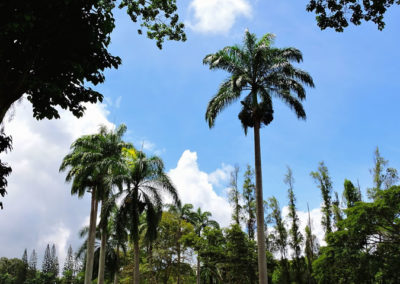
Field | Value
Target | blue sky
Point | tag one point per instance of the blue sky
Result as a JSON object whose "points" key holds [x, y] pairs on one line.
{"points": [[162, 95], [352, 110]]}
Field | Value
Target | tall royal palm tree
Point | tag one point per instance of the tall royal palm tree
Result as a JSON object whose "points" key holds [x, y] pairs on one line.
{"points": [[113, 165], [200, 220], [91, 163], [260, 72], [145, 182]]}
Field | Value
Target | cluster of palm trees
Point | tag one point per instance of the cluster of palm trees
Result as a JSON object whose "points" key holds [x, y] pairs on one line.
{"points": [[109, 168]]}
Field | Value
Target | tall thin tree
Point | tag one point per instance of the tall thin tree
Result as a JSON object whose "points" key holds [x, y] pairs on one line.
{"points": [[249, 205], [234, 195], [296, 238], [324, 183], [264, 72]]}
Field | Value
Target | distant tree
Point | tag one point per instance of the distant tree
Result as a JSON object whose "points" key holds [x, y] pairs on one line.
{"points": [[241, 257], [383, 177], [324, 183], [279, 237], [201, 220], [366, 249], [184, 213], [33, 261], [234, 195], [69, 267], [336, 211], [47, 264], [249, 204], [351, 194], [55, 267], [338, 14], [25, 266], [12, 271], [310, 249], [296, 238]]}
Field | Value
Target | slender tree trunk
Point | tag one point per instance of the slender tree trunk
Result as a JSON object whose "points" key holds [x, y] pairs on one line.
{"points": [[91, 238], [136, 262], [179, 255], [116, 278], [102, 259], [198, 270], [116, 272], [262, 263]]}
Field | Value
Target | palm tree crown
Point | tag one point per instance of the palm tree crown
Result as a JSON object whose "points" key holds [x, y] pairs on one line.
{"points": [[262, 70]]}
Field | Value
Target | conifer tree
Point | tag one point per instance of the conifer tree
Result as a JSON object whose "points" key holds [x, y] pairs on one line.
{"points": [[296, 238], [54, 261], [47, 261], [26, 266], [69, 266], [33, 261], [324, 183], [249, 198]]}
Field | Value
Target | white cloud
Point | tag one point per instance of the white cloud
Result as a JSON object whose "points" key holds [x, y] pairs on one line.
{"points": [[217, 16], [39, 208], [195, 187], [220, 177]]}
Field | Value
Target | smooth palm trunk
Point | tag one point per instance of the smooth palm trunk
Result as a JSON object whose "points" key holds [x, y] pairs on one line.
{"points": [[116, 272], [91, 238], [116, 278], [102, 259], [179, 255], [262, 263], [198, 270], [136, 260]]}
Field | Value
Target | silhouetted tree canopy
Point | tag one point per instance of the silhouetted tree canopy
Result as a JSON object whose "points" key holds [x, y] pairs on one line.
{"points": [[337, 14]]}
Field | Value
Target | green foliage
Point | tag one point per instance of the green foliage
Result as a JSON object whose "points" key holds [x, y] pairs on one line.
{"points": [[51, 65], [338, 14], [51, 50], [365, 250], [5, 170], [264, 72], [383, 177], [324, 183], [249, 198], [351, 194], [296, 238], [234, 195], [279, 237]]}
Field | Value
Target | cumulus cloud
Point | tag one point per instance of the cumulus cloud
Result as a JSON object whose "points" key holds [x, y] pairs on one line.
{"points": [[216, 16], [196, 187], [220, 176], [39, 208]]}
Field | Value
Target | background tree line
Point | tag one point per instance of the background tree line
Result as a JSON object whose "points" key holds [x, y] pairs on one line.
{"points": [[188, 246]]}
